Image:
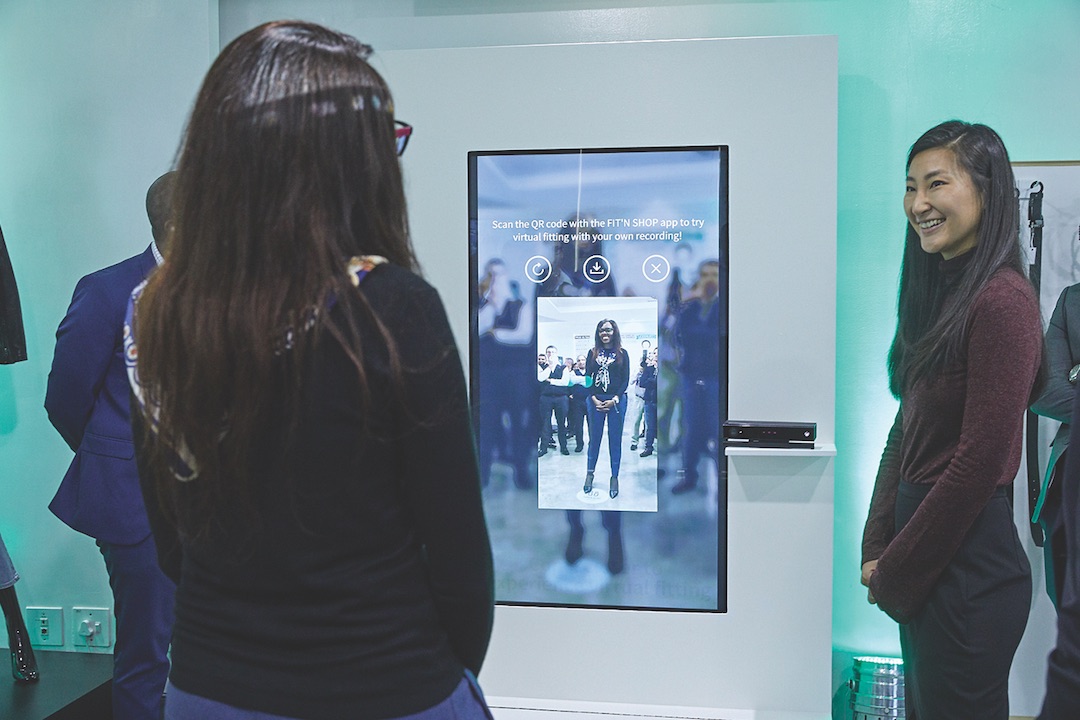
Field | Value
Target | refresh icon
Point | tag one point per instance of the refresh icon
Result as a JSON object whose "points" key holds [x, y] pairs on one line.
{"points": [[537, 269]]}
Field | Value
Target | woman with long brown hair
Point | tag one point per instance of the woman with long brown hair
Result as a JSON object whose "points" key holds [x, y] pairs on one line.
{"points": [[305, 443], [940, 553]]}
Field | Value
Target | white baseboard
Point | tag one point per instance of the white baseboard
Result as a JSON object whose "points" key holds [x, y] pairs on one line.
{"points": [[507, 708]]}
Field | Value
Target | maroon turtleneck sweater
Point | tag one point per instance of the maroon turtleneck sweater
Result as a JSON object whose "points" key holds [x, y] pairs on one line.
{"points": [[960, 431]]}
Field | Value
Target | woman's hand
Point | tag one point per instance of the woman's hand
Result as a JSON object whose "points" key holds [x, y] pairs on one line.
{"points": [[868, 569]]}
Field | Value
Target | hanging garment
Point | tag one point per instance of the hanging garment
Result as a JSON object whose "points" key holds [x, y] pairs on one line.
{"points": [[12, 336]]}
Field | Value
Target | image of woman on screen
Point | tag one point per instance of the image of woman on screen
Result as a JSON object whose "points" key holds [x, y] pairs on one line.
{"points": [[608, 364], [607, 368], [304, 441], [940, 551]]}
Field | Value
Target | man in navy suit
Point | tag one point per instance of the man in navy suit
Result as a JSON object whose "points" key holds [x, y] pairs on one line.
{"points": [[1063, 675], [88, 403]]}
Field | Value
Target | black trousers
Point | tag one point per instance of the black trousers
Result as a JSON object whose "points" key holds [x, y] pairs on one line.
{"points": [[1055, 553], [559, 404], [575, 418], [959, 647]]}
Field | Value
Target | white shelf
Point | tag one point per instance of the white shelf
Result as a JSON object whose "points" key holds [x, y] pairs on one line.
{"points": [[822, 450]]}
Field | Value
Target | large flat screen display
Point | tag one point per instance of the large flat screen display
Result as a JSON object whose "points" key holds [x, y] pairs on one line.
{"points": [[598, 361]]}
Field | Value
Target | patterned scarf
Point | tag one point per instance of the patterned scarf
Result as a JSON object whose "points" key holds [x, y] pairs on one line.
{"points": [[184, 467]]}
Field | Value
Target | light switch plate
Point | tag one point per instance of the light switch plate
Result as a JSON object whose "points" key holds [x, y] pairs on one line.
{"points": [[91, 627]]}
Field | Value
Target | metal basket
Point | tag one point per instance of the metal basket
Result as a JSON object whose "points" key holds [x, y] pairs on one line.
{"points": [[877, 689]]}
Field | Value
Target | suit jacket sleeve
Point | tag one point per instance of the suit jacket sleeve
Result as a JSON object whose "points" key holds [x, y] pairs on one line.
{"points": [[1056, 399], [85, 342]]}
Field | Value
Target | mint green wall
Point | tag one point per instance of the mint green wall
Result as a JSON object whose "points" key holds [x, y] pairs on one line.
{"points": [[92, 99], [904, 66]]}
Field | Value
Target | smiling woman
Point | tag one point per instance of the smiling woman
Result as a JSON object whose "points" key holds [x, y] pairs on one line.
{"points": [[942, 203], [940, 551]]}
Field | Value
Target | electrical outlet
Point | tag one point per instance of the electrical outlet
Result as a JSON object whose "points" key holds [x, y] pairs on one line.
{"points": [[91, 627], [45, 625]]}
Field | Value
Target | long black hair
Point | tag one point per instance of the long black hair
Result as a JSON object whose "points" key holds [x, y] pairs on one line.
{"points": [[931, 328]]}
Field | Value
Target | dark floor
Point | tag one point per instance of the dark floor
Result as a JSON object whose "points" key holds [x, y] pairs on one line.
{"points": [[73, 686]]}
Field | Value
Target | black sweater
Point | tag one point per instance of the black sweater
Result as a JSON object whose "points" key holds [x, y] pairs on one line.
{"points": [[368, 586], [960, 431]]}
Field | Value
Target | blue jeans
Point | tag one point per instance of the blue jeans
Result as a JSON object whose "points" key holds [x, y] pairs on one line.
{"points": [[615, 417], [465, 703]]}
